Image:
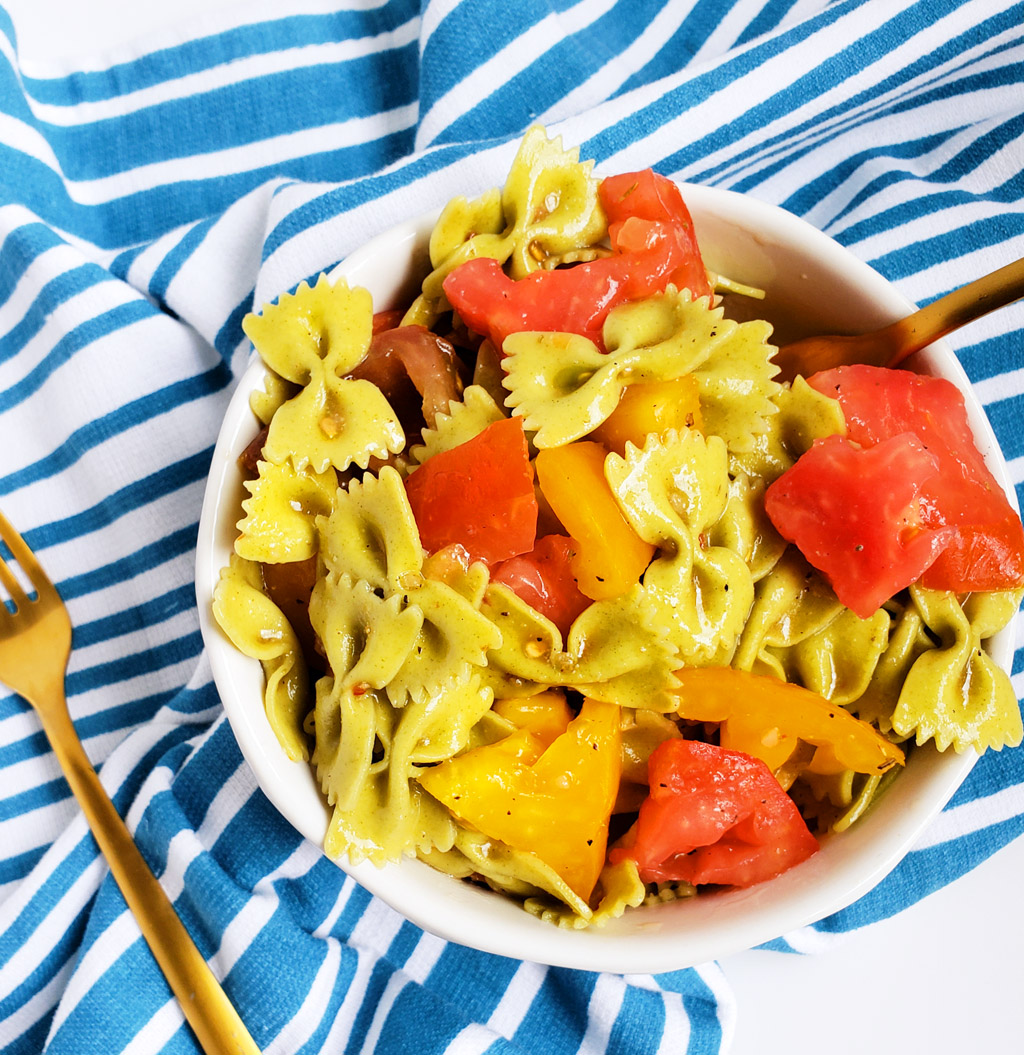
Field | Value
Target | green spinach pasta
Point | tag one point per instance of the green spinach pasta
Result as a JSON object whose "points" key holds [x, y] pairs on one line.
{"points": [[558, 589]]}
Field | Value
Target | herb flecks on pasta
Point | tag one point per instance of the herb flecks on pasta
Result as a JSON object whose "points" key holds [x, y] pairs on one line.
{"points": [[371, 534], [550, 203], [955, 693], [564, 387], [547, 211], [371, 538], [790, 603], [279, 525], [838, 659], [672, 491], [259, 629], [455, 637], [326, 323], [366, 638], [313, 338], [615, 651], [365, 762], [803, 416]]}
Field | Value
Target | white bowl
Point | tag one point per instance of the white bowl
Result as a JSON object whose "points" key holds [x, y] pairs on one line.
{"points": [[813, 285]]}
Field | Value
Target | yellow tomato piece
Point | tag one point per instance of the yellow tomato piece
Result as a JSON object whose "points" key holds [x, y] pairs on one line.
{"points": [[546, 715], [553, 802], [611, 556], [449, 565], [768, 718], [652, 406], [825, 762], [760, 735]]}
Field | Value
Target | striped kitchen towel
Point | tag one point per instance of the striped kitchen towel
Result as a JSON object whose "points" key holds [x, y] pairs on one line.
{"points": [[150, 196]]}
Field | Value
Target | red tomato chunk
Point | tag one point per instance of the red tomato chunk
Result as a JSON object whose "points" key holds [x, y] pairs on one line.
{"points": [[543, 578], [479, 494], [654, 244], [645, 205], [715, 816], [854, 514], [986, 551]]}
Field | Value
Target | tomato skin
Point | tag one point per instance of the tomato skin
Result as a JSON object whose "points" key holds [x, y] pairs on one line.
{"points": [[986, 557], [714, 816], [543, 578], [573, 301], [289, 586], [647, 195], [415, 369], [388, 319], [479, 495], [854, 514], [987, 550], [654, 242]]}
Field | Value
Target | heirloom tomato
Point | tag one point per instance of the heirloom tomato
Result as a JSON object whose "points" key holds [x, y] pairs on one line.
{"points": [[714, 816], [986, 550], [479, 494]]}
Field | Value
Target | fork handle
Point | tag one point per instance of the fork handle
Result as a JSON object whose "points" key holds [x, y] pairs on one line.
{"points": [[215, 1022], [956, 309]]}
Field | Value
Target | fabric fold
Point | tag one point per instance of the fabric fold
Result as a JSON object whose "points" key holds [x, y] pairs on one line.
{"points": [[152, 197]]}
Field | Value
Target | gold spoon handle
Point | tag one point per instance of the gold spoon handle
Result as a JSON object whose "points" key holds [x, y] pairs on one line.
{"points": [[215, 1022], [955, 309]]}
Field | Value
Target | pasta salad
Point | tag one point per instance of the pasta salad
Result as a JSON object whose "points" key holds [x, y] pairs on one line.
{"points": [[558, 589]]}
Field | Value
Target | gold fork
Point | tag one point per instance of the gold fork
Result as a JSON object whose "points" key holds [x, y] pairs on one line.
{"points": [[35, 642]]}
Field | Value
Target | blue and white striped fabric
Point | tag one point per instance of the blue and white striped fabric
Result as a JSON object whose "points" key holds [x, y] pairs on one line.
{"points": [[146, 199]]}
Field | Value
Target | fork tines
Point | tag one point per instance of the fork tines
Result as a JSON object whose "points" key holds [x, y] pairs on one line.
{"points": [[28, 563]]}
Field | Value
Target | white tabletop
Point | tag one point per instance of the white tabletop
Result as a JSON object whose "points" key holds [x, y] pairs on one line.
{"points": [[944, 977]]}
